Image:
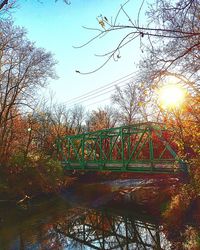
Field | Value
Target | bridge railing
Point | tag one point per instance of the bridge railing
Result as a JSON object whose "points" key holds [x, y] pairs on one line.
{"points": [[146, 147]]}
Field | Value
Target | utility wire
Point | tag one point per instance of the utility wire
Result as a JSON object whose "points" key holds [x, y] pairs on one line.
{"points": [[101, 89], [106, 99], [94, 96]]}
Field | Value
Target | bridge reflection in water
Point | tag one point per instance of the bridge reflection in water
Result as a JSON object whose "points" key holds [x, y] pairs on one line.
{"points": [[95, 229]]}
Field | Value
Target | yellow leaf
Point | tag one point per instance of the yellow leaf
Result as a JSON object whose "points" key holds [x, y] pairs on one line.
{"points": [[140, 104], [101, 22]]}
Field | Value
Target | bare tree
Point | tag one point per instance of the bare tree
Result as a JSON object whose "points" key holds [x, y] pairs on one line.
{"points": [[77, 116], [6, 5], [66, 121], [59, 121], [130, 102], [23, 69], [176, 52], [167, 23], [102, 119]]}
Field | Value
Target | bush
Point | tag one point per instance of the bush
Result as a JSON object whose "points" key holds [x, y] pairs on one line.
{"points": [[32, 175]]}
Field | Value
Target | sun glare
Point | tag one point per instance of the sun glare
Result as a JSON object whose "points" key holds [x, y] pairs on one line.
{"points": [[171, 96]]}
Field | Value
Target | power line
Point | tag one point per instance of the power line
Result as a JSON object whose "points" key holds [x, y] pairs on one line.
{"points": [[95, 93], [101, 89], [106, 99], [92, 96]]}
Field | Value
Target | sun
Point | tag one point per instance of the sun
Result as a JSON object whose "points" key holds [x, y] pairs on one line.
{"points": [[171, 96]]}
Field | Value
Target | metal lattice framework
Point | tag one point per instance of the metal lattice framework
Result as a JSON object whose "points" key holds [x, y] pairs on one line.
{"points": [[146, 147], [105, 230]]}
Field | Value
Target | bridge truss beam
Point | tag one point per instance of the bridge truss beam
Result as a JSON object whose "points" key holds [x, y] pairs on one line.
{"points": [[146, 147]]}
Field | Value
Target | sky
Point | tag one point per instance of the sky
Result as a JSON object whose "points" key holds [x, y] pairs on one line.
{"points": [[58, 27]]}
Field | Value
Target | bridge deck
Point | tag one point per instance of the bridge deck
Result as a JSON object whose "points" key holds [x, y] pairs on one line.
{"points": [[158, 168]]}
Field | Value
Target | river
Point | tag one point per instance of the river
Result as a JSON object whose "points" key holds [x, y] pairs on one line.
{"points": [[90, 216]]}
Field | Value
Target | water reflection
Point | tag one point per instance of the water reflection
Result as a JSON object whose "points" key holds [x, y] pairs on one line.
{"points": [[104, 229], [55, 225]]}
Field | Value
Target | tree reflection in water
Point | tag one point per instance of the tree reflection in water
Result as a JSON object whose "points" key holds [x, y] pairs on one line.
{"points": [[81, 228], [103, 229]]}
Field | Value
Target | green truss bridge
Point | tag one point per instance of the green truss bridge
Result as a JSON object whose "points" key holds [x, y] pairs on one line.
{"points": [[146, 148]]}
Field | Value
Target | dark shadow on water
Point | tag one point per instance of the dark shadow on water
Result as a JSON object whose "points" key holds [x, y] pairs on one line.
{"points": [[53, 224]]}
